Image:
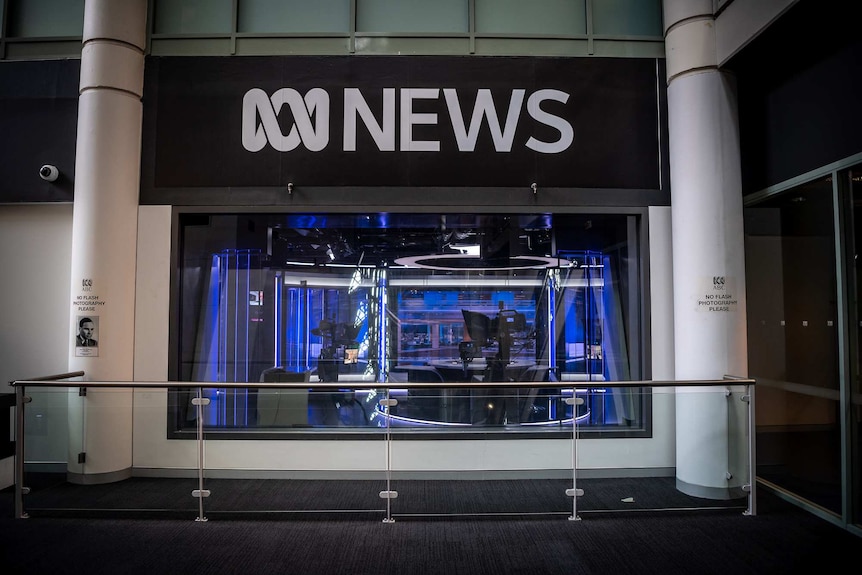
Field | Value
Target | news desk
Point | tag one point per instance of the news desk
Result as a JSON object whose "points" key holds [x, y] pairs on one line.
{"points": [[454, 370]]}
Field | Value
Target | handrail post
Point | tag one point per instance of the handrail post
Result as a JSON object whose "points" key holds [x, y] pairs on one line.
{"points": [[389, 494], [752, 453], [574, 492], [575, 516], [199, 402], [201, 516], [20, 490]]}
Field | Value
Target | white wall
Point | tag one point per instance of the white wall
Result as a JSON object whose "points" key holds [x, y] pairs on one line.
{"points": [[661, 293], [35, 251], [153, 453]]}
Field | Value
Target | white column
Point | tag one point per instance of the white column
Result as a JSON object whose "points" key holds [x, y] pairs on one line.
{"points": [[708, 257], [104, 234]]}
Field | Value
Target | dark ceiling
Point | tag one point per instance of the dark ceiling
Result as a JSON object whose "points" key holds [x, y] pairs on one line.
{"points": [[379, 238]]}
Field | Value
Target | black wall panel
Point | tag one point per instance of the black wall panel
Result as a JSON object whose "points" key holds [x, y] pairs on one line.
{"points": [[195, 111], [38, 125], [799, 87]]}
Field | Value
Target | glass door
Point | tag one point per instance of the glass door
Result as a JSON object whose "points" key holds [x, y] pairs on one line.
{"points": [[854, 422], [793, 334]]}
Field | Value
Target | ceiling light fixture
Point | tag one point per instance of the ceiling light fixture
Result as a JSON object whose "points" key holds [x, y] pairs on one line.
{"points": [[461, 262]]}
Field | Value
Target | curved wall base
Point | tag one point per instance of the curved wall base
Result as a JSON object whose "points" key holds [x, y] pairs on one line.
{"points": [[710, 492], [98, 478]]}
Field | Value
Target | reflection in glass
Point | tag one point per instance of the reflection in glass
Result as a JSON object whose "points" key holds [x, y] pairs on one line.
{"points": [[854, 179], [373, 301], [793, 341]]}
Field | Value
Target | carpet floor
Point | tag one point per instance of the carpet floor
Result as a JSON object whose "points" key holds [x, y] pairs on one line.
{"points": [[472, 537]]}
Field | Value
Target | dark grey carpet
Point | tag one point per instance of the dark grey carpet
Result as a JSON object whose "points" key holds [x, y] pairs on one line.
{"points": [[52, 495], [781, 538]]}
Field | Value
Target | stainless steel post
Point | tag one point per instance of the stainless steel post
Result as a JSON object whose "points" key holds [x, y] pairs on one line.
{"points": [[574, 492], [752, 453], [388, 494], [20, 490], [200, 401]]}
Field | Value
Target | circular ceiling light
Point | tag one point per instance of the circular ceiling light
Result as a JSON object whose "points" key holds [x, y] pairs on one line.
{"points": [[461, 262]]}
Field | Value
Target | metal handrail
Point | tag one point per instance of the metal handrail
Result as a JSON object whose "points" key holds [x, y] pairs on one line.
{"points": [[728, 380], [50, 377], [61, 380]]}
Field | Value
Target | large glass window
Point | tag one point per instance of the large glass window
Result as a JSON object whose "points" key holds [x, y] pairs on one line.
{"points": [[793, 319], [412, 16], [293, 16], [193, 17], [627, 18], [374, 300], [563, 17], [45, 18]]}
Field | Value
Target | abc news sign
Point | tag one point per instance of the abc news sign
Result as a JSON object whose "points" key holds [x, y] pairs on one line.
{"points": [[311, 120], [402, 121]]}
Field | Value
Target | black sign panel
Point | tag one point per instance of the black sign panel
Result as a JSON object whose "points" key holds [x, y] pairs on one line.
{"points": [[402, 121]]}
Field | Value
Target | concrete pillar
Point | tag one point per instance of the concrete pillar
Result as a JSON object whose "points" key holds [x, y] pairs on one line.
{"points": [[708, 257], [104, 235]]}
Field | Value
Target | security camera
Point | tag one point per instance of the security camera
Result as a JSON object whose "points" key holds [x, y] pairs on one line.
{"points": [[49, 173]]}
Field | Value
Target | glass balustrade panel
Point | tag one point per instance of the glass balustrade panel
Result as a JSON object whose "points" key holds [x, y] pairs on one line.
{"points": [[704, 468], [293, 458], [52, 430], [90, 450], [511, 456]]}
